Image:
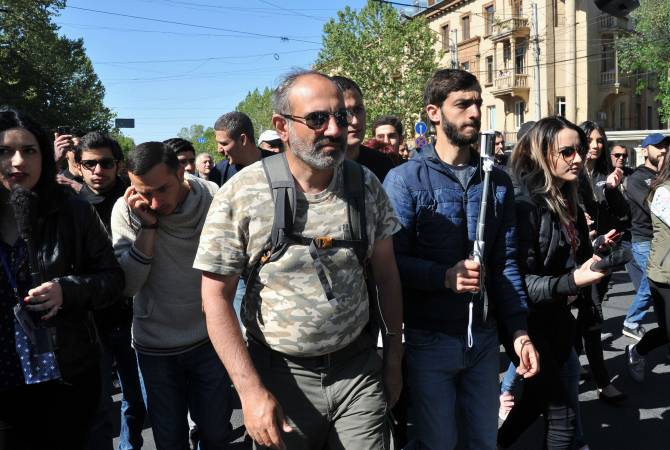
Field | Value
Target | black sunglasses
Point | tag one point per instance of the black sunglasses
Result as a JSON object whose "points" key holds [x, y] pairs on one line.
{"points": [[620, 155], [318, 120], [568, 153], [105, 163], [187, 161]]}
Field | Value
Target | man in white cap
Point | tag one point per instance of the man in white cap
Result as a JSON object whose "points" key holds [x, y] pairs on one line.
{"points": [[270, 140]]}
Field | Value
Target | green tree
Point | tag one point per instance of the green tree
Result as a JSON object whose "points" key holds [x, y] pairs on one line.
{"points": [[196, 132], [258, 106], [647, 50], [46, 75], [127, 143], [390, 58]]}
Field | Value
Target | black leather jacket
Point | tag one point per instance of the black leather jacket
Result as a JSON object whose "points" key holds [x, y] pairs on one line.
{"points": [[73, 247]]}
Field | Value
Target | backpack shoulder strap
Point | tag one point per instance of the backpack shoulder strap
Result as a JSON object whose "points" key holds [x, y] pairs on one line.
{"points": [[282, 188], [354, 193]]}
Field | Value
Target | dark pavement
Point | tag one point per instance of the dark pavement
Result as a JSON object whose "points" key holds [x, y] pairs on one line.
{"points": [[642, 422]]}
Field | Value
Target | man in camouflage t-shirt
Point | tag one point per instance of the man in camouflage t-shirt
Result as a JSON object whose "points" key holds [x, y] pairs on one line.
{"points": [[310, 377]]}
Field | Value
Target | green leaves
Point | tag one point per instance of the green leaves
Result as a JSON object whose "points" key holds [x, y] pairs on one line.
{"points": [[647, 49], [258, 106], [390, 58], [46, 75]]}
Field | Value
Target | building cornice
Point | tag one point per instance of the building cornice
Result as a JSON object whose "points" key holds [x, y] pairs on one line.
{"points": [[441, 8]]}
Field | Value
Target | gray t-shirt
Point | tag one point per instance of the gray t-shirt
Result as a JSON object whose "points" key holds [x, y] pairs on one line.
{"points": [[463, 172]]}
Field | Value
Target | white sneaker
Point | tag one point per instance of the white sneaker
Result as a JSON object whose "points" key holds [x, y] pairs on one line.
{"points": [[636, 364]]}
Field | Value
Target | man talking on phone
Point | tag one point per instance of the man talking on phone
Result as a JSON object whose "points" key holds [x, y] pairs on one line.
{"points": [[155, 232]]}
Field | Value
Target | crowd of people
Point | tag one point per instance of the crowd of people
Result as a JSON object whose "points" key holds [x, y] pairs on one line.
{"points": [[327, 283]]}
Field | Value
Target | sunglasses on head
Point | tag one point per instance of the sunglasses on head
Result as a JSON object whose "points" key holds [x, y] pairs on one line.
{"points": [[568, 153], [620, 155], [318, 120], [105, 163]]}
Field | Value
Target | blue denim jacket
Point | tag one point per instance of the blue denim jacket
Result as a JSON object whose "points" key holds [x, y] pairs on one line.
{"points": [[439, 219]]}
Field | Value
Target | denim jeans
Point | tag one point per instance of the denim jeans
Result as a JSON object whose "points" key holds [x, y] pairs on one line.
{"points": [[194, 381], [642, 300], [443, 376], [117, 347]]}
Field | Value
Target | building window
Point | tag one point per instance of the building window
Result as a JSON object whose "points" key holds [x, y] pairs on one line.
{"points": [[466, 66], [622, 115], [465, 26], [519, 108], [489, 69], [491, 117], [520, 57], [560, 106], [507, 54], [650, 123], [445, 37], [488, 18], [638, 116], [517, 8], [607, 57]]}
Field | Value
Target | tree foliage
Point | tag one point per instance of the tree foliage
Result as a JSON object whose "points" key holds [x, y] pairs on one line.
{"points": [[195, 132], [390, 58], [258, 106], [126, 142], [647, 49], [46, 75]]}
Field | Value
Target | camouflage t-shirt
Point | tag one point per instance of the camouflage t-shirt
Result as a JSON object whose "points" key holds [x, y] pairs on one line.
{"points": [[287, 308]]}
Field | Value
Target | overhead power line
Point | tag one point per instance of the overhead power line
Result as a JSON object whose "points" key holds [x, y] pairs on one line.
{"points": [[172, 22]]}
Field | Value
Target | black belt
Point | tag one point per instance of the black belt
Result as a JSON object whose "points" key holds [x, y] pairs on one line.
{"points": [[337, 358]]}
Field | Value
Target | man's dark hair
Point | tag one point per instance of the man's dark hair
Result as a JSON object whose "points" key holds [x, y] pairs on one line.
{"points": [[148, 155], [95, 140], [347, 84], [179, 145], [445, 81], [235, 123], [499, 135], [394, 121]]}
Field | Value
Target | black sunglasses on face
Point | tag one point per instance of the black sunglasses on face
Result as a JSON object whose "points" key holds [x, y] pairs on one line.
{"points": [[318, 120], [187, 161], [568, 153], [105, 163], [620, 155]]}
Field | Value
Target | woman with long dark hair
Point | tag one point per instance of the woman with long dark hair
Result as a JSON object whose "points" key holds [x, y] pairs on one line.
{"points": [[658, 273], [555, 257], [606, 209], [57, 266]]}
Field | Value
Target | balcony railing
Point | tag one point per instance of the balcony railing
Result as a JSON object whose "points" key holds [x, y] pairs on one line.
{"points": [[611, 23], [508, 79], [613, 78], [510, 25]]}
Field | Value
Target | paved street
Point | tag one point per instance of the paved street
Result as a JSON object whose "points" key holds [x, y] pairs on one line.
{"points": [[643, 422]]}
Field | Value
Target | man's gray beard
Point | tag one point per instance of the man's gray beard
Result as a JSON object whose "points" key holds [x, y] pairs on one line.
{"points": [[312, 156], [455, 137]]}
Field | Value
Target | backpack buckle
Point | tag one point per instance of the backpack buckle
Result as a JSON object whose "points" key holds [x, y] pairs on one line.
{"points": [[323, 242]]}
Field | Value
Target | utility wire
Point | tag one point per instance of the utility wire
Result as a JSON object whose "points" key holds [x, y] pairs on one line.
{"points": [[171, 22]]}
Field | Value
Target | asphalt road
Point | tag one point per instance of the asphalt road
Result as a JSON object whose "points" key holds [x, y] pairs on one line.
{"points": [[642, 422]]}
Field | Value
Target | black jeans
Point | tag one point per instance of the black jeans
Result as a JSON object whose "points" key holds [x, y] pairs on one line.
{"points": [[660, 295], [51, 415]]}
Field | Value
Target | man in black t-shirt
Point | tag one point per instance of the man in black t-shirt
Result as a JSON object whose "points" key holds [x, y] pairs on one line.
{"points": [[234, 133], [377, 162], [637, 188]]}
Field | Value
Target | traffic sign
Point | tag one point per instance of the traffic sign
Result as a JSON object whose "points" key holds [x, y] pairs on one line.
{"points": [[420, 128], [420, 141], [201, 140], [124, 123]]}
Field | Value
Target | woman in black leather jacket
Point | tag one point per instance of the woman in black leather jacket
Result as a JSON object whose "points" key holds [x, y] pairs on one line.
{"points": [[606, 207], [49, 387], [554, 258]]}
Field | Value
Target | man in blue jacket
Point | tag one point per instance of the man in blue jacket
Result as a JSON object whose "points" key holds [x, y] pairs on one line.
{"points": [[455, 307]]}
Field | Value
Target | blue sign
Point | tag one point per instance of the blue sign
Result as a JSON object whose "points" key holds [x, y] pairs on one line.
{"points": [[420, 141], [420, 128], [201, 140]]}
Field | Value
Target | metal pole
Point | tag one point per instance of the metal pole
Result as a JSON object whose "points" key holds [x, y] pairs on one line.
{"points": [[536, 70]]}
